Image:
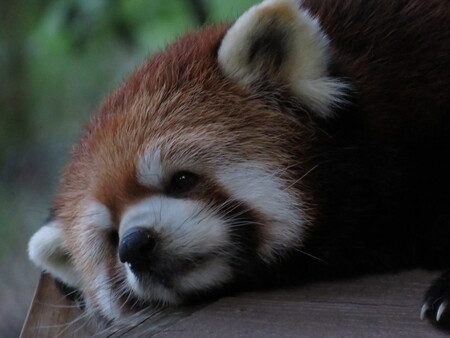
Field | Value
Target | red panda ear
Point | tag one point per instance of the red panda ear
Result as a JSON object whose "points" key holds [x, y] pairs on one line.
{"points": [[48, 251], [276, 39]]}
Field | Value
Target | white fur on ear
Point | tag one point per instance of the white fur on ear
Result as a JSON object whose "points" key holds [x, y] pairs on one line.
{"points": [[47, 250], [278, 39]]}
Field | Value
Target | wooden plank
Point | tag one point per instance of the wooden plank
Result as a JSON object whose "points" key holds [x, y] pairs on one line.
{"points": [[375, 306], [51, 315]]}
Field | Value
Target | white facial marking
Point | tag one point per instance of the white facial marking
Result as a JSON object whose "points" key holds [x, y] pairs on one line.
{"points": [[94, 219], [155, 292], [214, 272], [150, 171], [184, 227], [266, 193], [104, 296], [97, 215]]}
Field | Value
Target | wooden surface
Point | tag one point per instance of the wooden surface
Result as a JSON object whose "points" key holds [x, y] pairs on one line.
{"points": [[374, 306], [51, 315]]}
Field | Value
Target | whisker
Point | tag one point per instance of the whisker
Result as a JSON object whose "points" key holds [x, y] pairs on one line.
{"points": [[302, 177], [55, 306], [312, 256]]}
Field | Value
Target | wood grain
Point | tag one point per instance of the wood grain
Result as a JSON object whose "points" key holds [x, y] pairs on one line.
{"points": [[373, 306], [51, 315]]}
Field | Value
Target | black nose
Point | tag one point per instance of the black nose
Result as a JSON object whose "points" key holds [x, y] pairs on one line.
{"points": [[136, 248]]}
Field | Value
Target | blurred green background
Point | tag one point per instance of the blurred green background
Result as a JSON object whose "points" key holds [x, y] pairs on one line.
{"points": [[58, 58]]}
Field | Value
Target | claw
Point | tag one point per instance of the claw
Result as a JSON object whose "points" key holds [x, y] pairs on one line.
{"points": [[424, 310], [441, 310]]}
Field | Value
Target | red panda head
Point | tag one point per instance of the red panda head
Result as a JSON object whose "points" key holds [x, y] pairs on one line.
{"points": [[191, 173]]}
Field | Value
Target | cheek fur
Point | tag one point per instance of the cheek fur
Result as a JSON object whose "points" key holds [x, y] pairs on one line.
{"points": [[95, 254], [212, 274], [104, 295], [269, 196]]}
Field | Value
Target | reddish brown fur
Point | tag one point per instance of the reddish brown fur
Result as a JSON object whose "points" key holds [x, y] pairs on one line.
{"points": [[395, 58], [149, 107], [399, 106]]}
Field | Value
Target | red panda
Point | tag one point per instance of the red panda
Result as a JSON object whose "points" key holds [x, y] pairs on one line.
{"points": [[307, 140]]}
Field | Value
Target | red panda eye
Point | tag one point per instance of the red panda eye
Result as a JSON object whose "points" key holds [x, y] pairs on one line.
{"points": [[182, 182]]}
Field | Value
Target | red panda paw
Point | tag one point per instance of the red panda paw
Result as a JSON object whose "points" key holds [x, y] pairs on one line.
{"points": [[436, 306]]}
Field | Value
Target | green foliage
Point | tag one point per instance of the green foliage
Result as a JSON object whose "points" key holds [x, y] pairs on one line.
{"points": [[227, 11]]}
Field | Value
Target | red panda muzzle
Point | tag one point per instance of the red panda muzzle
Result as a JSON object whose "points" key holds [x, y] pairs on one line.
{"points": [[137, 247]]}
